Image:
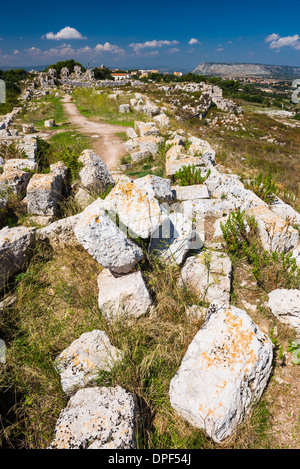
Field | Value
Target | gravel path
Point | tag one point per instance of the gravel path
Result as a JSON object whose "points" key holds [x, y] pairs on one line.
{"points": [[106, 144]]}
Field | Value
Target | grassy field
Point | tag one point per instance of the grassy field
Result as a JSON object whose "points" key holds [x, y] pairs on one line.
{"points": [[57, 301], [49, 107], [54, 307], [100, 106]]}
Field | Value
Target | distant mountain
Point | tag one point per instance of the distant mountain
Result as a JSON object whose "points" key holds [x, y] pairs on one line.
{"points": [[247, 70]]}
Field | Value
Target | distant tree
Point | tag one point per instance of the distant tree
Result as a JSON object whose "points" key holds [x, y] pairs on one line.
{"points": [[102, 73], [12, 80]]}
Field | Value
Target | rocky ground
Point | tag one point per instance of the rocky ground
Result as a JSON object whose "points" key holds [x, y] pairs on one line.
{"points": [[236, 257]]}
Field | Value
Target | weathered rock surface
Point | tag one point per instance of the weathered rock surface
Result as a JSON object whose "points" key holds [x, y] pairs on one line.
{"points": [[175, 239], [156, 187], [225, 369], [198, 191], [137, 210], [14, 249], [97, 418], [94, 175], [103, 240], [123, 297], [79, 364], [44, 192], [60, 233], [285, 305], [20, 164], [209, 275], [14, 181], [275, 233]]}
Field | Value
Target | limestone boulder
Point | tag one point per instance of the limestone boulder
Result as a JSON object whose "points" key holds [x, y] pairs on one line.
{"points": [[60, 234], [44, 193], [94, 175], [285, 305], [49, 123], [175, 239], [144, 129], [140, 155], [123, 297], [103, 240], [197, 191], [275, 233], [285, 211], [15, 245], [225, 369], [20, 164], [124, 108], [162, 121], [137, 209], [14, 181], [79, 364], [156, 187], [97, 418]]}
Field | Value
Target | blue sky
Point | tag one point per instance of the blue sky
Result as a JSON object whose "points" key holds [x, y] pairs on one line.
{"points": [[175, 34]]}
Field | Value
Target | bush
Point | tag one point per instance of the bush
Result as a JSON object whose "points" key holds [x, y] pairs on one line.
{"points": [[265, 188], [190, 175], [271, 270]]}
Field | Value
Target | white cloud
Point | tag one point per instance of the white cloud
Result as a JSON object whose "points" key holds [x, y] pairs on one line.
{"points": [[16, 52], [174, 50], [152, 44], [65, 33], [33, 50], [107, 47], [277, 42], [272, 37], [193, 41]]}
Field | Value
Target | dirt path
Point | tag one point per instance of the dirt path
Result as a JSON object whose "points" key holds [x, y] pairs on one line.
{"points": [[107, 145]]}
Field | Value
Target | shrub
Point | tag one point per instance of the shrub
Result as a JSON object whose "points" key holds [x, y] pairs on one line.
{"points": [[11, 151], [190, 175], [271, 269], [265, 188]]}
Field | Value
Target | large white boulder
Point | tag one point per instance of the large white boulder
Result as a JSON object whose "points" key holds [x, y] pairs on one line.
{"points": [[123, 297], [208, 274], [285, 211], [60, 233], [44, 193], [156, 187], [79, 364], [15, 244], [103, 240], [162, 121], [137, 208], [97, 418], [285, 305], [225, 369], [276, 234], [94, 175], [20, 164], [14, 181], [197, 191], [144, 129], [175, 239]]}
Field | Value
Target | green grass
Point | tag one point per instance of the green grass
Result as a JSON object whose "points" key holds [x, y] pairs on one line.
{"points": [[55, 305], [66, 147], [103, 108], [50, 107]]}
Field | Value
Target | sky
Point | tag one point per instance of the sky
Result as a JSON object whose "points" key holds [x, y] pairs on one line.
{"points": [[173, 34]]}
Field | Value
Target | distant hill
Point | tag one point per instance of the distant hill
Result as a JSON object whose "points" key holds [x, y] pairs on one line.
{"points": [[247, 70]]}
